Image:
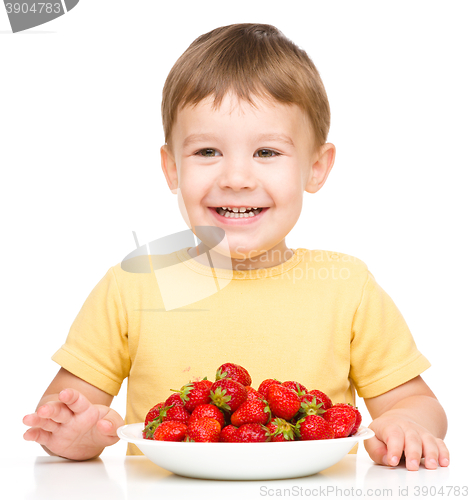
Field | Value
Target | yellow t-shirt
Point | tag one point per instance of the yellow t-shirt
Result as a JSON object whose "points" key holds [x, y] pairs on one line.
{"points": [[320, 318]]}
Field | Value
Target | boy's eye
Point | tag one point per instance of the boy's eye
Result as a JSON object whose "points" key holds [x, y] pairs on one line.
{"points": [[267, 153], [207, 152], [261, 153]]}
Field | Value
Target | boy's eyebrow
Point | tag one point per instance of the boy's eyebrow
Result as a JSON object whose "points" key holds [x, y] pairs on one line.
{"points": [[263, 137]]}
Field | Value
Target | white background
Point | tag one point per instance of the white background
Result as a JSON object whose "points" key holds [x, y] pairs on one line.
{"points": [[80, 132]]}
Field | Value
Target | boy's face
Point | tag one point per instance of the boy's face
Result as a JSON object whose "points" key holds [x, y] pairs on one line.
{"points": [[244, 156]]}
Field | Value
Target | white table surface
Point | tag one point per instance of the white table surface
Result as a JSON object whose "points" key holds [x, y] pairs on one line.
{"points": [[121, 477]]}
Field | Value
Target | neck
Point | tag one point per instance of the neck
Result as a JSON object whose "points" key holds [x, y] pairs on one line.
{"points": [[271, 258]]}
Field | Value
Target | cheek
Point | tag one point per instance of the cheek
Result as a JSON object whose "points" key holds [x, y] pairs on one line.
{"points": [[194, 189], [289, 192]]}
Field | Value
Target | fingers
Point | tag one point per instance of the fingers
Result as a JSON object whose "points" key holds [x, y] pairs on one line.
{"points": [[109, 424], [388, 446], [395, 444], [42, 423], [413, 449], [56, 411], [435, 452], [376, 450], [106, 427], [76, 401], [62, 411], [38, 435], [49, 416]]}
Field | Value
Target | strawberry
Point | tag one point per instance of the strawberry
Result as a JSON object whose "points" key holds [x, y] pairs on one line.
{"points": [[227, 434], [227, 394], [251, 412], [281, 430], [358, 421], [299, 389], [251, 433], [313, 427], [205, 383], [203, 430], [175, 413], [283, 401], [168, 431], [265, 385], [209, 411], [234, 372], [321, 397], [194, 393], [310, 406], [253, 393], [153, 413], [341, 418], [174, 400]]}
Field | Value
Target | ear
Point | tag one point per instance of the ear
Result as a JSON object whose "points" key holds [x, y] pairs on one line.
{"points": [[322, 164], [169, 168]]}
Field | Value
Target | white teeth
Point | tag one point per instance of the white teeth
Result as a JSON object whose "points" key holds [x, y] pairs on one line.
{"points": [[243, 212], [241, 209]]}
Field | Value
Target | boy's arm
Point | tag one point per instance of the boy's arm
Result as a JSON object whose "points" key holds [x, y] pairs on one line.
{"points": [[408, 419], [73, 419]]}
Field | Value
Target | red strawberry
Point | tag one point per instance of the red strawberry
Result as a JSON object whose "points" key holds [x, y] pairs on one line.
{"points": [[251, 412], [169, 431], [175, 413], [174, 400], [251, 433], [205, 382], [234, 372], [209, 411], [195, 393], [313, 427], [341, 418], [281, 430], [283, 402], [322, 398], [153, 413], [265, 385], [227, 394], [299, 389], [227, 434], [253, 393], [309, 405], [357, 413], [203, 430]]}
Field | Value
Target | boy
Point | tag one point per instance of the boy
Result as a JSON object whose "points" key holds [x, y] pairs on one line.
{"points": [[246, 120]]}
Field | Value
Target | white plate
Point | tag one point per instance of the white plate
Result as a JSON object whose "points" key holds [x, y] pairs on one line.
{"points": [[243, 460]]}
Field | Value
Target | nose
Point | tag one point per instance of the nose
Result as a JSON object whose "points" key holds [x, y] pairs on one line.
{"points": [[237, 174]]}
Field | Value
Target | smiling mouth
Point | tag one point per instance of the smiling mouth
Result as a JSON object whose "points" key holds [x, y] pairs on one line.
{"points": [[227, 212]]}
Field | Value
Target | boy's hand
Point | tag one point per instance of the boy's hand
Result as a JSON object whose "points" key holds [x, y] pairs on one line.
{"points": [[72, 427], [397, 434], [408, 419]]}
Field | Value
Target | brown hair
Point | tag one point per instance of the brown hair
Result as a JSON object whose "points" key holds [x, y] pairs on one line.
{"points": [[249, 60]]}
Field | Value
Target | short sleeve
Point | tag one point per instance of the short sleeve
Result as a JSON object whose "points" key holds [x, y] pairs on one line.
{"points": [[96, 348], [383, 352]]}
